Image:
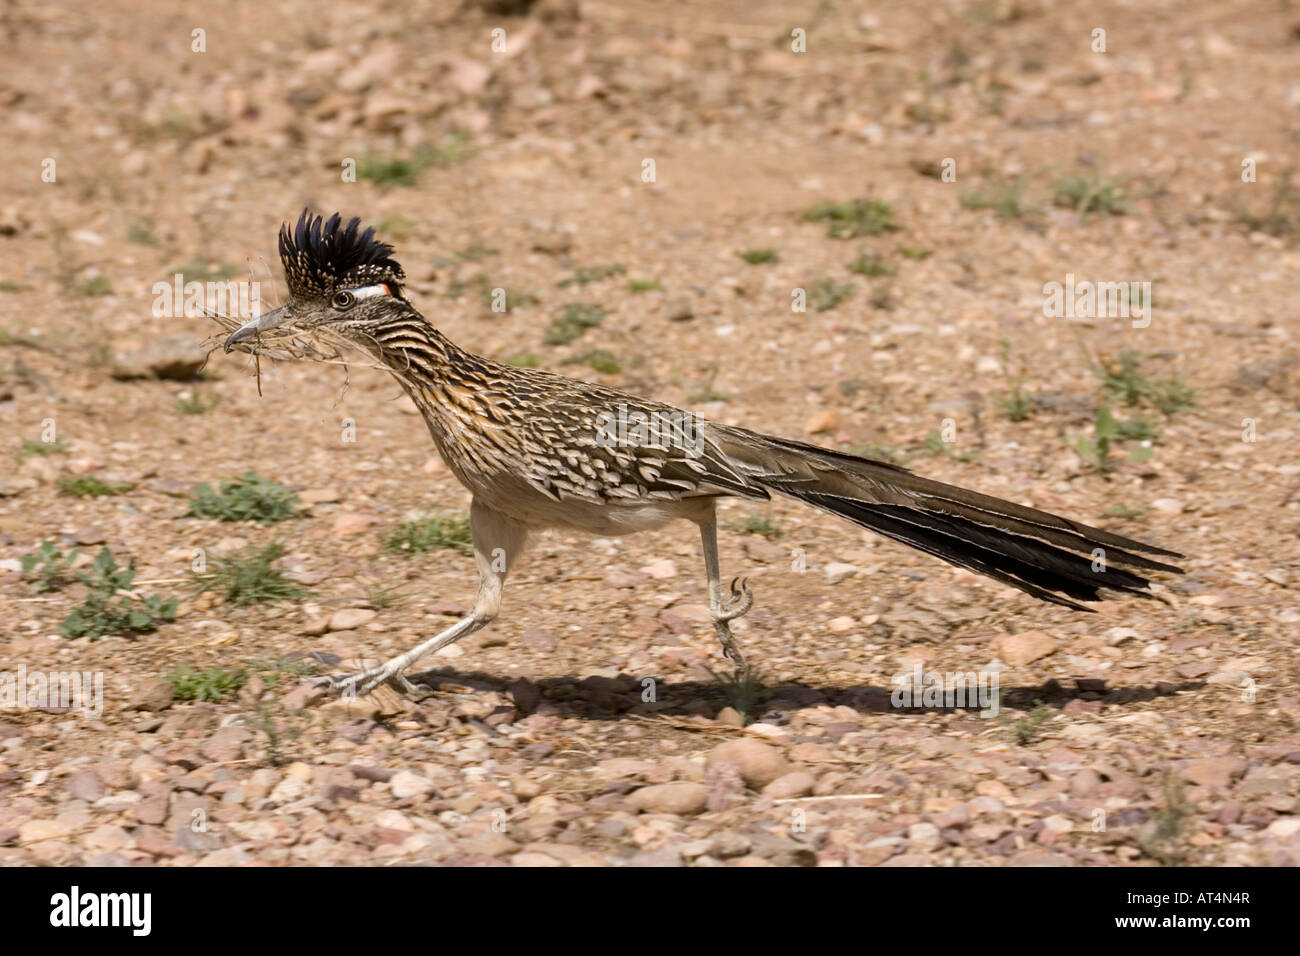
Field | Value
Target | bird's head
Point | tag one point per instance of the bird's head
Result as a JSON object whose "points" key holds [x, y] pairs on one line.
{"points": [[343, 287]]}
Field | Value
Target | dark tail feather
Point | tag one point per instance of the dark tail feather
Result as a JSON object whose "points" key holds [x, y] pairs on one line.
{"points": [[1032, 550], [1043, 570]]}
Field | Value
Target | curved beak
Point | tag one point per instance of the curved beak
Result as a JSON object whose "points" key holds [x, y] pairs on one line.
{"points": [[251, 328]]}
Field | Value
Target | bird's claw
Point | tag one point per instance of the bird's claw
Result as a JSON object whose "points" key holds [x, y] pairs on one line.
{"points": [[738, 603], [352, 686]]}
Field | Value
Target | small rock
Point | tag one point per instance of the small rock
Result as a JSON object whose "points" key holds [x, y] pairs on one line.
{"points": [[822, 421], [681, 799], [759, 763], [173, 357], [227, 744], [838, 571], [1214, 771], [34, 831], [85, 785], [661, 570], [679, 308], [538, 639], [152, 695], [405, 784], [1024, 648], [797, 783], [924, 836], [351, 617], [348, 524]]}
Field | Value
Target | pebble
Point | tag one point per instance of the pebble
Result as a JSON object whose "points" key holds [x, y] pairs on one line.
{"points": [[352, 617], [1017, 650], [759, 763], [681, 799]]}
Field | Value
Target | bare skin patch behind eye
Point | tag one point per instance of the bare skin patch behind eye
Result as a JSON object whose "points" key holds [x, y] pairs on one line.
{"points": [[370, 291]]}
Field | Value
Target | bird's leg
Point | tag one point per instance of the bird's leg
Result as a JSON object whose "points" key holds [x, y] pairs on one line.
{"points": [[724, 612], [497, 541]]}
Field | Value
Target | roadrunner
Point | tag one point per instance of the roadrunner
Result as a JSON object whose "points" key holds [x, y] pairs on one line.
{"points": [[538, 450]]}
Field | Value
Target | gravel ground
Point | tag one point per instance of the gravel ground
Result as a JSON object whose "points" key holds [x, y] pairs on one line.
{"points": [[586, 726]]}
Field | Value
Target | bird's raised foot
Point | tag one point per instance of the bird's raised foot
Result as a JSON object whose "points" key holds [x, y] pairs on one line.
{"points": [[738, 603]]}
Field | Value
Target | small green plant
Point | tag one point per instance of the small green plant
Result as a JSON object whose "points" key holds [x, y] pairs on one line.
{"points": [[1096, 451], [213, 683], [42, 448], [194, 405], [871, 265], [111, 606], [745, 692], [390, 171], [850, 220], [142, 234], [525, 360], [251, 578], [915, 253], [933, 446], [1122, 379], [704, 392], [428, 534], [88, 486], [1029, 728], [1094, 193], [96, 286], [1135, 429], [757, 524], [476, 251], [383, 597], [205, 270], [644, 285], [599, 360], [1122, 510], [8, 285], [877, 452], [1003, 196], [386, 172], [1278, 217], [758, 257], [576, 318], [250, 498], [825, 294], [394, 226], [51, 567], [1017, 405], [590, 274], [1163, 838]]}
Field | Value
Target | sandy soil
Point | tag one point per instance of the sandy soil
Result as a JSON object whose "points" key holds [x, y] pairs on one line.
{"points": [[1151, 732]]}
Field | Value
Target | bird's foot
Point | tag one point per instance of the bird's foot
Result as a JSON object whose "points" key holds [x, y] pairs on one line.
{"points": [[359, 685], [738, 604]]}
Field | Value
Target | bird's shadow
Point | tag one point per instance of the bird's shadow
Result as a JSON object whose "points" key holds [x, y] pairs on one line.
{"points": [[627, 696]]}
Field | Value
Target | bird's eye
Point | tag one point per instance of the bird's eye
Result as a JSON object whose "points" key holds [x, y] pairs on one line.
{"points": [[343, 300]]}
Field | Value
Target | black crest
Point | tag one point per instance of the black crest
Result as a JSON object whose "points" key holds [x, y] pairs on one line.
{"points": [[321, 255]]}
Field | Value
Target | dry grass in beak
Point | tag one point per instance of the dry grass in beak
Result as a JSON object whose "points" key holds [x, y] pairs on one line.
{"points": [[286, 344]]}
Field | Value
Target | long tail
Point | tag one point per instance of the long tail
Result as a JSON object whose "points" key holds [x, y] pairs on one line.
{"points": [[1052, 558]]}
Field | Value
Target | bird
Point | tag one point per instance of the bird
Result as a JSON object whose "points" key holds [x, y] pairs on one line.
{"points": [[540, 451]]}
